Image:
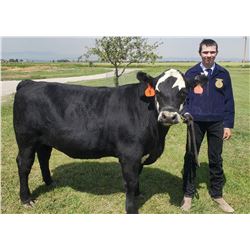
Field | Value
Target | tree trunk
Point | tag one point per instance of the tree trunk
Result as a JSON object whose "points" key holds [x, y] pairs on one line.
{"points": [[116, 81], [116, 78]]}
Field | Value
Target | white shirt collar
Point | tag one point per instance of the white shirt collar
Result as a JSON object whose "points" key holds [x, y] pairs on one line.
{"points": [[204, 68]]}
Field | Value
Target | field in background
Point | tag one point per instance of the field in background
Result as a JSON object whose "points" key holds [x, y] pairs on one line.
{"points": [[95, 186], [26, 70], [20, 71]]}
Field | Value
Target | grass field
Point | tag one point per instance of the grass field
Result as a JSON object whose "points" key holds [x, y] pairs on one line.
{"points": [[95, 186], [19, 71]]}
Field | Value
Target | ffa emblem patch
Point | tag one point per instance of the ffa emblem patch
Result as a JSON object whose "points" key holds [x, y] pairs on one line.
{"points": [[219, 83]]}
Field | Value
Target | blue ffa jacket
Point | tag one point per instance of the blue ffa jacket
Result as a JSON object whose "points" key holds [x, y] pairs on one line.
{"points": [[216, 102]]}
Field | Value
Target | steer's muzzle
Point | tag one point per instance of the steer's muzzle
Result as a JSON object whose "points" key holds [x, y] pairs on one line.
{"points": [[169, 118]]}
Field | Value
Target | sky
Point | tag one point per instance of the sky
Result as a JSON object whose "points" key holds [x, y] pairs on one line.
{"points": [[71, 47]]}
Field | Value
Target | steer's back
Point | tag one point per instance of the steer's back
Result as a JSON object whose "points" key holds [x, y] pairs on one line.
{"points": [[83, 122]]}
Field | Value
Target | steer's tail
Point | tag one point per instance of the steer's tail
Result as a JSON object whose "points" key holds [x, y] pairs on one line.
{"points": [[23, 83]]}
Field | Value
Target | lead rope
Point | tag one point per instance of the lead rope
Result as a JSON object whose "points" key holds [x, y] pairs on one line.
{"points": [[188, 119], [191, 131]]}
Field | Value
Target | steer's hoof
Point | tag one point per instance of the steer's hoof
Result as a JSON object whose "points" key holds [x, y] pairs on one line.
{"points": [[132, 211], [29, 204]]}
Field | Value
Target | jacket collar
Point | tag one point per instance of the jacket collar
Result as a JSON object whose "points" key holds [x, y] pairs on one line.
{"points": [[197, 69], [204, 68]]}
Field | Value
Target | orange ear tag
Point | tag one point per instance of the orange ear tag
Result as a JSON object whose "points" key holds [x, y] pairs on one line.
{"points": [[198, 89], [149, 92]]}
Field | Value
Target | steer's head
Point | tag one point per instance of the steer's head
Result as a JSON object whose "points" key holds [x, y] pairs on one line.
{"points": [[169, 91]]}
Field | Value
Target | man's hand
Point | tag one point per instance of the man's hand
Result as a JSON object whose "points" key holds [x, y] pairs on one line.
{"points": [[227, 134]]}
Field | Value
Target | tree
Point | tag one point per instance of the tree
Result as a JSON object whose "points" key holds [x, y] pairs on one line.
{"points": [[86, 57], [123, 51]]}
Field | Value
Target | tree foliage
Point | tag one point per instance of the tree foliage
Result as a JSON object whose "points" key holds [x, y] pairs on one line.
{"points": [[123, 51]]}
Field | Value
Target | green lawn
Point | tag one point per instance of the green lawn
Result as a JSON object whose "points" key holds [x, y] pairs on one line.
{"points": [[19, 71], [95, 186]]}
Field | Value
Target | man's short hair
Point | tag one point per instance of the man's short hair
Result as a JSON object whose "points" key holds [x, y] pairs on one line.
{"points": [[208, 42]]}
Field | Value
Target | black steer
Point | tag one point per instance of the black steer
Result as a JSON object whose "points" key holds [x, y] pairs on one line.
{"points": [[90, 123]]}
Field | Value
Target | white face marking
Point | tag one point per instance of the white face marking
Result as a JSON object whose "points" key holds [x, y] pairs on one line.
{"points": [[180, 83], [144, 158], [157, 105], [181, 107]]}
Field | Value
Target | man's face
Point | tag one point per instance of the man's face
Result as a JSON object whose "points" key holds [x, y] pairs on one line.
{"points": [[208, 55]]}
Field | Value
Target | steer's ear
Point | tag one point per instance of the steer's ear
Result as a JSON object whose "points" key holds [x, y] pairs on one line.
{"points": [[144, 77], [147, 80], [199, 79]]}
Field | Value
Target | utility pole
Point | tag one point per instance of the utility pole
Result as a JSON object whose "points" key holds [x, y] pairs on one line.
{"points": [[245, 50]]}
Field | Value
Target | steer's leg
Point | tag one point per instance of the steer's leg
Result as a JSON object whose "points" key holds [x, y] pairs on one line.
{"points": [[25, 160], [131, 180], [137, 190], [43, 153]]}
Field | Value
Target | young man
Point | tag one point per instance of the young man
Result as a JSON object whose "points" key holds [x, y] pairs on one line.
{"points": [[212, 107]]}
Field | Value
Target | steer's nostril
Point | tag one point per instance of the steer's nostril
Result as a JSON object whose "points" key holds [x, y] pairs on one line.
{"points": [[174, 117], [163, 116]]}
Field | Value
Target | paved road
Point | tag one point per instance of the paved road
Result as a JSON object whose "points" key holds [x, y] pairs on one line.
{"points": [[9, 87]]}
